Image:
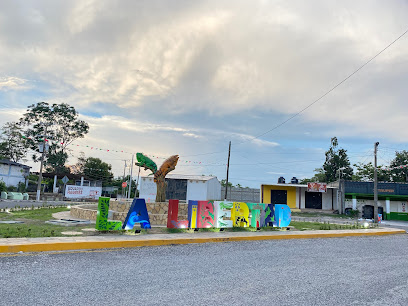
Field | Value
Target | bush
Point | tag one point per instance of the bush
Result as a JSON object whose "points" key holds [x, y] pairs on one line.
{"points": [[11, 188], [21, 187], [3, 186]]}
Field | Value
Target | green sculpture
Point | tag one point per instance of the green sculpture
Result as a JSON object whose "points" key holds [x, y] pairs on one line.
{"points": [[159, 175], [102, 223]]}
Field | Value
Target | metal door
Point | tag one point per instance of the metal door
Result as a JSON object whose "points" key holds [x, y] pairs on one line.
{"points": [[176, 189], [313, 200], [279, 197]]}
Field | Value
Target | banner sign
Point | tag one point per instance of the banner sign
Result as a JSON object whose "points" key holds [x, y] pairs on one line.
{"points": [[316, 187], [82, 192]]}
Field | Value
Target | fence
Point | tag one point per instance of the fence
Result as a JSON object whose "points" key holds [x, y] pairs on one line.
{"points": [[241, 194]]}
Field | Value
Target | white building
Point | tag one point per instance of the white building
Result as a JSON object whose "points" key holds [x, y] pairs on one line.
{"points": [[13, 173], [183, 187]]}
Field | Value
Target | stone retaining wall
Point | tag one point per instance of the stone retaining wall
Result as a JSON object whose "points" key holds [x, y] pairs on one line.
{"points": [[118, 211]]}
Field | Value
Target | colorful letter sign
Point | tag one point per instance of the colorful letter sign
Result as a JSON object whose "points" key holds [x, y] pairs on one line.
{"points": [[172, 215], [201, 214], [137, 214], [222, 212], [240, 215], [205, 214], [102, 223]]}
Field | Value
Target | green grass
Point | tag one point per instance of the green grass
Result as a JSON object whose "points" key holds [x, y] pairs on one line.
{"points": [[34, 224], [314, 215], [301, 226], [41, 214]]}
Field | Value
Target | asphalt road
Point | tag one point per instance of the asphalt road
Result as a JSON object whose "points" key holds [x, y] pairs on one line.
{"points": [[336, 271]]}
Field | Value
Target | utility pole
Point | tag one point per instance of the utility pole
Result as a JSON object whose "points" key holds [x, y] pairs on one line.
{"points": [[137, 182], [226, 184], [41, 164], [341, 192], [375, 183], [124, 174], [130, 181]]}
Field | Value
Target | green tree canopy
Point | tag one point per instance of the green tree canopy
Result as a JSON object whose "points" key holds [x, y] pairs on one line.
{"points": [[12, 144], [319, 176], [59, 124], [95, 169], [336, 158], [365, 173], [224, 182], [399, 174]]}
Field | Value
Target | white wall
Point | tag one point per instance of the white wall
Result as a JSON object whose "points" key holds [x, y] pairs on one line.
{"points": [[148, 189], [214, 189], [16, 174], [196, 190], [326, 198]]}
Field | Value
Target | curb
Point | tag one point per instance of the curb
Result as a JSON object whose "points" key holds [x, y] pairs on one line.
{"points": [[93, 245]]}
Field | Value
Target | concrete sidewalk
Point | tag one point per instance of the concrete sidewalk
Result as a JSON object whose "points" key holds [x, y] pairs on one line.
{"points": [[15, 245]]}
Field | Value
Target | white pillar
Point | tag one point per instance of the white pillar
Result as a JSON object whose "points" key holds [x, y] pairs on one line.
{"points": [[354, 203], [54, 188], [387, 206], [82, 181]]}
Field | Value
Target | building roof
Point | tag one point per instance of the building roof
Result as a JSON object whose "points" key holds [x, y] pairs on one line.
{"points": [[296, 185], [187, 177], [9, 162]]}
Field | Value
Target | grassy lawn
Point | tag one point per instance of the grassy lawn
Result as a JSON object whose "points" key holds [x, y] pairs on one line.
{"points": [[314, 215], [34, 224], [303, 226]]}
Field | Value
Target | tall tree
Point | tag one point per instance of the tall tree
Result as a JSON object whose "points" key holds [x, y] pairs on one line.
{"points": [[320, 176], [12, 144], [365, 173], [400, 174], [95, 169], [337, 158], [59, 124]]}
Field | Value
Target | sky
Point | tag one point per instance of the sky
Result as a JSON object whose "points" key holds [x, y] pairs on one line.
{"points": [[187, 77]]}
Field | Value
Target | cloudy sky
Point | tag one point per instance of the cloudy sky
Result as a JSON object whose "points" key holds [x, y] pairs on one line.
{"points": [[187, 77]]}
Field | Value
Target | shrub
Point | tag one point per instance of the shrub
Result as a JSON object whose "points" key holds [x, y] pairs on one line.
{"points": [[3, 186], [11, 188]]}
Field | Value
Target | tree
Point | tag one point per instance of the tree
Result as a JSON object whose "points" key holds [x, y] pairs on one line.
{"points": [[400, 174], [365, 173], [224, 182], [336, 158], [94, 169], [12, 144], [319, 176], [56, 124]]}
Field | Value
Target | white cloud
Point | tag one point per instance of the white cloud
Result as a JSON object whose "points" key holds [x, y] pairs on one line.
{"points": [[13, 83]]}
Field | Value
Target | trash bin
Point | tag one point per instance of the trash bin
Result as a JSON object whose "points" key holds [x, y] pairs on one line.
{"points": [[381, 211]]}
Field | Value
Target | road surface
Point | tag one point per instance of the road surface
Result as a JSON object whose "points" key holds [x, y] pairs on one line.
{"points": [[336, 271]]}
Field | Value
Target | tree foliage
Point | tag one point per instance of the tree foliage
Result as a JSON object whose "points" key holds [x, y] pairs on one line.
{"points": [[94, 169], [12, 144], [399, 174], [224, 182], [365, 173], [57, 122], [336, 158], [320, 176]]}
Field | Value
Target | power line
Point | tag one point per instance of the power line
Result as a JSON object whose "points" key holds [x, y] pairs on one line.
{"points": [[329, 91]]}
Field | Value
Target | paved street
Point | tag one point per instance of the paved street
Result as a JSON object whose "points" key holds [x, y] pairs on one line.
{"points": [[337, 271]]}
